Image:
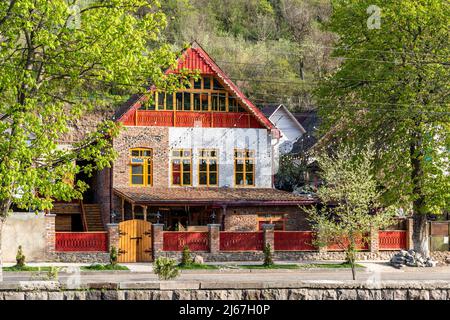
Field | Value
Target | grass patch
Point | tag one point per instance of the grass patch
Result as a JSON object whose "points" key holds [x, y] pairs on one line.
{"points": [[104, 267], [273, 266], [197, 266], [343, 265], [26, 268]]}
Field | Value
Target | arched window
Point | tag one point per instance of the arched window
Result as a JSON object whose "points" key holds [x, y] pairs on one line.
{"points": [[141, 171]]}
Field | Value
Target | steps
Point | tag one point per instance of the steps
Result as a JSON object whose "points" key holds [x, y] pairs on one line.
{"points": [[94, 217]]}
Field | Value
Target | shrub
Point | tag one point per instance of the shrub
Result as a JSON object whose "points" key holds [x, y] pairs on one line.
{"points": [[52, 273], [186, 258], [268, 260], [20, 258], [113, 256], [166, 268]]}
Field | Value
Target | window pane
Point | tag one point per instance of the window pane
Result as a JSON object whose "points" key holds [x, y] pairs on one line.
{"points": [[239, 179], [202, 178], [149, 179], [202, 165], [176, 153], [212, 165], [137, 170], [249, 178], [176, 178], [197, 105], [239, 165], [179, 100], [186, 178], [217, 85], [186, 165], [204, 101], [135, 153], [147, 153], [249, 165], [212, 178], [198, 84], [186, 153], [169, 101], [176, 165], [207, 83], [161, 98], [137, 179], [187, 101], [222, 102]]}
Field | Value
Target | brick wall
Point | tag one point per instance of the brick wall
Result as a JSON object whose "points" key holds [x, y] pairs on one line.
{"points": [[246, 218], [142, 137]]}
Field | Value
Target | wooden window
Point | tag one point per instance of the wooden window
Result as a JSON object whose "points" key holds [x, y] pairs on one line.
{"points": [[208, 168], [150, 104], [141, 167], [161, 100], [207, 83], [169, 101], [186, 101], [244, 167], [181, 167]]}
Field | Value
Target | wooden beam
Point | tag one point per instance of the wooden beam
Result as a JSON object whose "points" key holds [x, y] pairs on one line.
{"points": [[122, 209], [132, 211], [144, 208]]}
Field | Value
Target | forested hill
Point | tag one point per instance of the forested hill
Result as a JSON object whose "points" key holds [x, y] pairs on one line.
{"points": [[274, 50]]}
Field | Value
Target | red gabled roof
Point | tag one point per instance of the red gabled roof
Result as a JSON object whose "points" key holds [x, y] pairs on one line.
{"points": [[195, 58]]}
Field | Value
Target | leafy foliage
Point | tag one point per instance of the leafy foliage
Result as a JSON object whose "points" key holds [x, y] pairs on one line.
{"points": [[352, 202], [113, 256], [166, 268], [20, 258], [186, 258]]}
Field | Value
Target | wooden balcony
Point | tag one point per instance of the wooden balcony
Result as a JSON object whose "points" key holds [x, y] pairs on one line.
{"points": [[191, 119]]}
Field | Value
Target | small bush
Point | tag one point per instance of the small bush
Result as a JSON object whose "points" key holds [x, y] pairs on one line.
{"points": [[268, 260], [52, 273], [113, 256], [20, 258], [186, 258], [166, 268]]}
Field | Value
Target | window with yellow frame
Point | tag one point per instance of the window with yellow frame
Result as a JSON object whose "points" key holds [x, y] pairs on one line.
{"points": [[181, 160], [208, 169], [141, 163], [244, 168]]}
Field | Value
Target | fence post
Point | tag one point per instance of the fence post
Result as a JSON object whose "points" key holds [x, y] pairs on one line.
{"points": [[158, 239], [50, 236], [409, 233], [374, 240], [269, 236], [113, 235], [214, 237]]}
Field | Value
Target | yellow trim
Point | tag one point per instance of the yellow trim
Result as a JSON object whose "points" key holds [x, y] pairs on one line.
{"points": [[244, 172], [207, 158], [181, 158], [147, 161]]}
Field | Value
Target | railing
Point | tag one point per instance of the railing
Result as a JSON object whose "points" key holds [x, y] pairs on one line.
{"points": [[294, 241], [81, 241], [190, 119], [392, 240], [241, 241], [175, 241]]}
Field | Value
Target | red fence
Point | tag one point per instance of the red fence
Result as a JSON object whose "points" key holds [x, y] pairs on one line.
{"points": [[294, 241], [175, 241], [360, 245], [81, 241], [241, 241], [392, 240]]}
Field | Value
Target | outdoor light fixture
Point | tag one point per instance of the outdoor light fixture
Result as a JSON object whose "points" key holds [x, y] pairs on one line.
{"points": [[158, 216]]}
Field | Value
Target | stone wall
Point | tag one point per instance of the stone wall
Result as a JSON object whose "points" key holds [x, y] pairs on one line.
{"points": [[28, 230], [81, 257], [279, 255], [222, 290]]}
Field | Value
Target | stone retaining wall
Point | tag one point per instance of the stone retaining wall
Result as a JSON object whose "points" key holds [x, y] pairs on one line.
{"points": [[80, 257], [440, 257], [173, 290]]}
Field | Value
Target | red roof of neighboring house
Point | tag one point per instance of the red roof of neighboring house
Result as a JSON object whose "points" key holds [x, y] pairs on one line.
{"points": [[212, 196], [195, 58]]}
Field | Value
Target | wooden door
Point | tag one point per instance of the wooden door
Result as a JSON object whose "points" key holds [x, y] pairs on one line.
{"points": [[135, 242]]}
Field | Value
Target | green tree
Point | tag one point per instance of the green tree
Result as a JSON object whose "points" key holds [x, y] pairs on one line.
{"points": [[58, 59], [351, 202], [392, 88]]}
